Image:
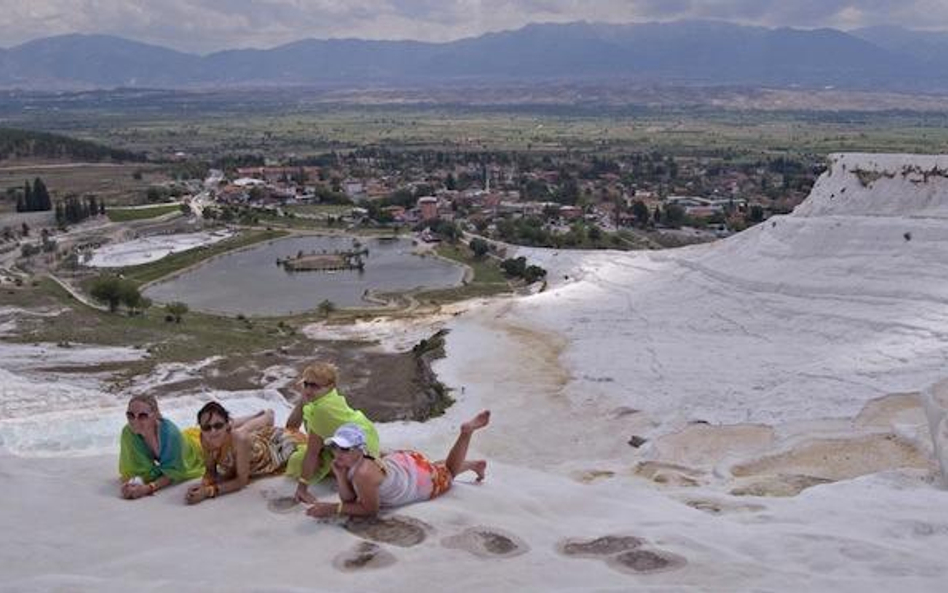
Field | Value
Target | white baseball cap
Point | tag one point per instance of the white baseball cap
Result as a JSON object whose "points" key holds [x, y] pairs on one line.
{"points": [[347, 436]]}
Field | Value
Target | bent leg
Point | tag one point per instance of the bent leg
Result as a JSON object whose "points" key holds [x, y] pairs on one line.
{"points": [[248, 424], [457, 457]]}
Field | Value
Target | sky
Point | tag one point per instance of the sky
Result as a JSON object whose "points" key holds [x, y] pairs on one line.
{"points": [[203, 26]]}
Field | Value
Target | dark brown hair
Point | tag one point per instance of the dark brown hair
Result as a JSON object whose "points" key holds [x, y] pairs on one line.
{"points": [[213, 408]]}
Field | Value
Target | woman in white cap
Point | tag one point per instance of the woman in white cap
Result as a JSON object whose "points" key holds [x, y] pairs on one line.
{"points": [[321, 409], [402, 477]]}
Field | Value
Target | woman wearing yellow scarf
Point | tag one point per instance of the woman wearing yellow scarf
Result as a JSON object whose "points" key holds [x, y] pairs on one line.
{"points": [[321, 410]]}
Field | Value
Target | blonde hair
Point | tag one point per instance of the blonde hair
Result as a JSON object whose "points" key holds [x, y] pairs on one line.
{"points": [[323, 373], [147, 399]]}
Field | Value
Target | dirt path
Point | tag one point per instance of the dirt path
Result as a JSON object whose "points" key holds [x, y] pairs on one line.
{"points": [[75, 293]]}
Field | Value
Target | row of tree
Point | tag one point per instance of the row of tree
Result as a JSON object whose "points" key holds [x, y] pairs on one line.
{"points": [[74, 210], [34, 198], [115, 291], [518, 268], [26, 144]]}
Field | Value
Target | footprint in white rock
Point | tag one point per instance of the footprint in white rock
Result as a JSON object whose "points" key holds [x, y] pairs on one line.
{"points": [[282, 504], [397, 530], [364, 556], [487, 542], [599, 547], [645, 561], [717, 507]]}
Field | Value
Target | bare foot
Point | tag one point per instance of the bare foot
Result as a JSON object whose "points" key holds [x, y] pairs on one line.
{"points": [[479, 467], [479, 421]]}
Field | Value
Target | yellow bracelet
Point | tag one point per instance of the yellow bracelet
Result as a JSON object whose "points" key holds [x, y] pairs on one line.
{"points": [[339, 508], [303, 481]]}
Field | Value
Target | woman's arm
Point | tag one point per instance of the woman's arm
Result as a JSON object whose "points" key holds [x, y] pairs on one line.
{"points": [[366, 482], [295, 419], [346, 492], [133, 491], [242, 452]]}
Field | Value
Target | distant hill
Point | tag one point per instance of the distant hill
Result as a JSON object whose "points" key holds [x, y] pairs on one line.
{"points": [[26, 144], [686, 52], [929, 47]]}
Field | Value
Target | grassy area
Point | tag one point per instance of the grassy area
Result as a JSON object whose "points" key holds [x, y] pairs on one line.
{"points": [[319, 209], [488, 278], [486, 270], [179, 261], [272, 219], [681, 130], [196, 337], [128, 214], [115, 184]]}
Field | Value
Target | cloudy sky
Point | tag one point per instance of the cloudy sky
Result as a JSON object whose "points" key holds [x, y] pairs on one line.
{"points": [[207, 25]]}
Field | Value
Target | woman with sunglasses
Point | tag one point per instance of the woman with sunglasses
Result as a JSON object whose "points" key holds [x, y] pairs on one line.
{"points": [[238, 449], [321, 409], [367, 483], [153, 452]]}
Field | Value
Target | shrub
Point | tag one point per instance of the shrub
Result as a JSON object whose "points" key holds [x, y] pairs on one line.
{"points": [[176, 310], [479, 247]]}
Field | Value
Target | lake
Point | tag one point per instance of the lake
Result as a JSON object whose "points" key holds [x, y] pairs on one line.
{"points": [[251, 282]]}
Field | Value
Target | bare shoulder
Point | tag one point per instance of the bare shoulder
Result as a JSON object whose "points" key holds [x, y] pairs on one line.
{"points": [[241, 439], [368, 472]]}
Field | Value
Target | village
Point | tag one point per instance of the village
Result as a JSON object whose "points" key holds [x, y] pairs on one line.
{"points": [[544, 201]]}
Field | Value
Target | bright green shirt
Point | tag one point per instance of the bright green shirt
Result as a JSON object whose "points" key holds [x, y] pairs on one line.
{"points": [[322, 417]]}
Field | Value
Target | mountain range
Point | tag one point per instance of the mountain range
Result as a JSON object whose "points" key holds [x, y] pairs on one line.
{"points": [[684, 52]]}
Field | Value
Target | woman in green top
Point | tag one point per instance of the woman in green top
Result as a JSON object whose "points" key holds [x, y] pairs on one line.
{"points": [[153, 452], [321, 410]]}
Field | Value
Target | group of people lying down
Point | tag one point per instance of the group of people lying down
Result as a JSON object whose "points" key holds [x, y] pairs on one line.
{"points": [[228, 452]]}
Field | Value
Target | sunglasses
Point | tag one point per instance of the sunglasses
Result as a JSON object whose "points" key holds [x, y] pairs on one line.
{"points": [[336, 447], [212, 426], [311, 384], [140, 415]]}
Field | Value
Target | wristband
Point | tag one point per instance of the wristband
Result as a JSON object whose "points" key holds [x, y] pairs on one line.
{"points": [[211, 491], [152, 488], [339, 508], [303, 481]]}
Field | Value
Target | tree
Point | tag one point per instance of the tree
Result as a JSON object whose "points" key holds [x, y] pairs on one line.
{"points": [[115, 291], [30, 204], [532, 273], [479, 247], [176, 310], [514, 266], [108, 289], [674, 215], [640, 212], [756, 213], [41, 196], [155, 194], [131, 297], [326, 307]]}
